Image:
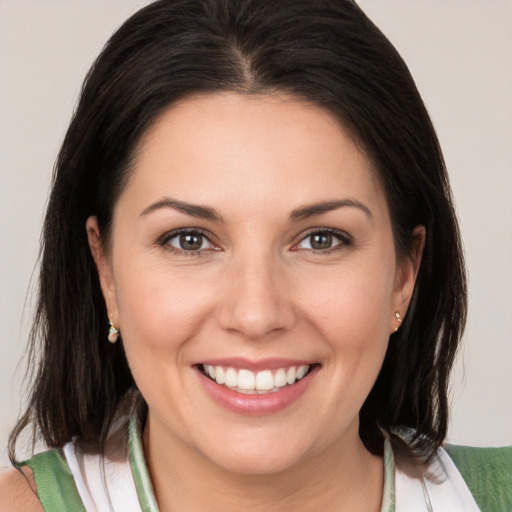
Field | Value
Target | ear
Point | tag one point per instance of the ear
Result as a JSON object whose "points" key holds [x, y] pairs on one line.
{"points": [[104, 267], [405, 278]]}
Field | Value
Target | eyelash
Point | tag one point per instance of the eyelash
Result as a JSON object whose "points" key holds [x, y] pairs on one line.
{"points": [[344, 239], [165, 239]]}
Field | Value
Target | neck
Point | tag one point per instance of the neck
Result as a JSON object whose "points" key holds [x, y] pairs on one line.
{"points": [[343, 477]]}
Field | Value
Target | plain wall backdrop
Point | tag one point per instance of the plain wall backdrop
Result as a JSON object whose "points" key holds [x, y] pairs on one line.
{"points": [[460, 53]]}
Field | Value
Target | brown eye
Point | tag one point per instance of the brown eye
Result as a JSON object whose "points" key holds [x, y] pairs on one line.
{"points": [[189, 241], [321, 241]]}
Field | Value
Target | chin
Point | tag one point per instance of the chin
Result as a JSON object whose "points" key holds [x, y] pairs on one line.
{"points": [[256, 456], [257, 463]]}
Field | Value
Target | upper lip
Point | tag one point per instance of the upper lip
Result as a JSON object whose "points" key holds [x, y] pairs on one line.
{"points": [[254, 365]]}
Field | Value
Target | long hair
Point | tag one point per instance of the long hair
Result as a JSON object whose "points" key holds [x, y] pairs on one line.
{"points": [[326, 52]]}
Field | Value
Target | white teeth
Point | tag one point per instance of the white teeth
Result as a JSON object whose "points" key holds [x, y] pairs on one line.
{"points": [[246, 381], [280, 378], [264, 380], [220, 376], [231, 378], [301, 371], [210, 370], [290, 375]]}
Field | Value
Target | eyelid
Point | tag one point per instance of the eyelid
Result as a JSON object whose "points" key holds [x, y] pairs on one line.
{"points": [[345, 239], [164, 239]]}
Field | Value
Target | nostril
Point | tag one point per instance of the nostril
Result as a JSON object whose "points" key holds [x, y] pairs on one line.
{"points": [[256, 319], [253, 300]]}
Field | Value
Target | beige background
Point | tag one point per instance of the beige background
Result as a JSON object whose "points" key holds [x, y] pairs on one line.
{"points": [[459, 51]]}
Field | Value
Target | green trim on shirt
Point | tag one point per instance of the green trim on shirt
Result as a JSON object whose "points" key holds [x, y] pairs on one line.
{"points": [[140, 472], [56, 487], [145, 488], [486, 471], [388, 494], [488, 474]]}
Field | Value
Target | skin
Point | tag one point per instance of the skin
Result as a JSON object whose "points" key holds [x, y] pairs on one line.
{"points": [[257, 290], [17, 492]]}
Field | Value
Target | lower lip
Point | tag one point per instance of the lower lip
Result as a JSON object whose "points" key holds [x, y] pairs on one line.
{"points": [[255, 404]]}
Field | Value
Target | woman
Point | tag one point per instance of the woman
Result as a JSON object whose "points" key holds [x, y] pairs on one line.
{"points": [[253, 196]]}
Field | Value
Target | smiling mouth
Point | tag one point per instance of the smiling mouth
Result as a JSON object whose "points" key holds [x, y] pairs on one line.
{"points": [[260, 382]]}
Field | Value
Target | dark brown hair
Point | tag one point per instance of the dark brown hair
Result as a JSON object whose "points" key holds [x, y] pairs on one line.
{"points": [[324, 51]]}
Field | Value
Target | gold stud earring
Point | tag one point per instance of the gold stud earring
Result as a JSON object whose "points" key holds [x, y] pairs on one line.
{"points": [[113, 332], [399, 320]]}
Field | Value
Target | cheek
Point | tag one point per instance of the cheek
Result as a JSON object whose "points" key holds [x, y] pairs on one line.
{"points": [[160, 312], [351, 308], [352, 311], [157, 309], [354, 323]]}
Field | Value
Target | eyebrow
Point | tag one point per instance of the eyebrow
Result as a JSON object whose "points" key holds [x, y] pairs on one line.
{"points": [[328, 206], [201, 212], [208, 213]]}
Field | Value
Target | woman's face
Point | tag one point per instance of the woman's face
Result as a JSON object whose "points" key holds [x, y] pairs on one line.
{"points": [[254, 280]]}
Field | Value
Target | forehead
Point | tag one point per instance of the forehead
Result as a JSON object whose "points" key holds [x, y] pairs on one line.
{"points": [[250, 151]]}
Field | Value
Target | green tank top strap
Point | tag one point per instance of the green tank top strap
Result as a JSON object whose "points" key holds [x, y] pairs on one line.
{"points": [[56, 487], [488, 474]]}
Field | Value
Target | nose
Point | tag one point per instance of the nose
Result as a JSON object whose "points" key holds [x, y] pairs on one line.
{"points": [[256, 300]]}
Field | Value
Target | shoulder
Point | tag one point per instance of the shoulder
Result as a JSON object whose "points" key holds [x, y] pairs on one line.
{"points": [[488, 463], [17, 491], [488, 474]]}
